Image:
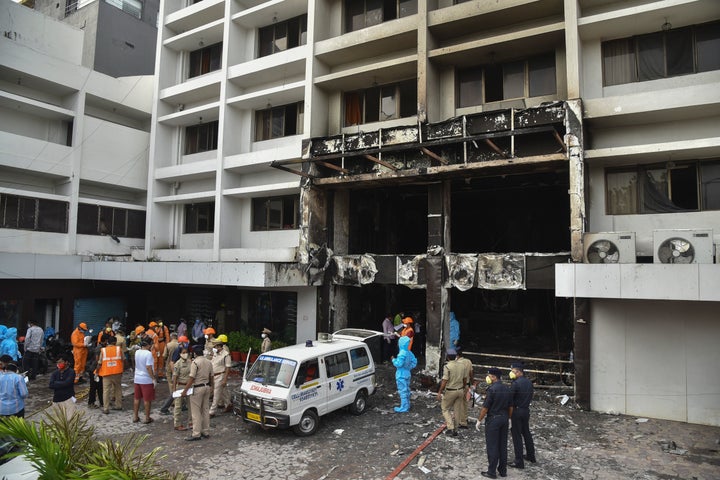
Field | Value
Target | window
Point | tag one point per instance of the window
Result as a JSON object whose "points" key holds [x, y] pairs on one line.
{"points": [[133, 7], [359, 358], [41, 215], [337, 364], [308, 372], [205, 60], [120, 222], [281, 36], [671, 187], [275, 213], [201, 138], [200, 218], [282, 121], [534, 77], [663, 54], [360, 14], [379, 103]]}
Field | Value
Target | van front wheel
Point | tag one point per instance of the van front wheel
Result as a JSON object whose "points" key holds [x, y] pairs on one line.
{"points": [[308, 425], [360, 403]]}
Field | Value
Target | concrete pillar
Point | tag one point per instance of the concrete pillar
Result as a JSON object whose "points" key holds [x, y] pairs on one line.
{"points": [[573, 62], [581, 350]]}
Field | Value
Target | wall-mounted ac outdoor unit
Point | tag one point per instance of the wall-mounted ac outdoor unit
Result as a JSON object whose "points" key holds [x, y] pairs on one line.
{"points": [[609, 247], [683, 246]]}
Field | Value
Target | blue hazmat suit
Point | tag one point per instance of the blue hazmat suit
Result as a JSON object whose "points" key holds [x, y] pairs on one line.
{"points": [[9, 345], [404, 362], [454, 330]]}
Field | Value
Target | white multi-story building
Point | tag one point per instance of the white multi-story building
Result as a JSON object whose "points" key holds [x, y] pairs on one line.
{"points": [[316, 164]]}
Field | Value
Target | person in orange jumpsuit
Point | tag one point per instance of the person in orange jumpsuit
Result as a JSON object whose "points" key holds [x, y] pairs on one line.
{"points": [[161, 341], [80, 350], [157, 346], [408, 330]]}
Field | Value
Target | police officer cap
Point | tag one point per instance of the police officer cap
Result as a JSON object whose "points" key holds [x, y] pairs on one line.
{"points": [[495, 371], [450, 352], [197, 349], [518, 365]]}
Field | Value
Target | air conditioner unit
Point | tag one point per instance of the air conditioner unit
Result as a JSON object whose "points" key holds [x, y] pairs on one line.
{"points": [[683, 246], [609, 247]]}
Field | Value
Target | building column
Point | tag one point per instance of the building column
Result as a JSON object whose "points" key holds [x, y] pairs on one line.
{"points": [[573, 60], [437, 303]]}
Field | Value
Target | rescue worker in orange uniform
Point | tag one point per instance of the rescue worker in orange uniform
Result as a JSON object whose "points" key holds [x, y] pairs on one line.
{"points": [[80, 350], [161, 341], [153, 336], [111, 369], [104, 334], [408, 330]]}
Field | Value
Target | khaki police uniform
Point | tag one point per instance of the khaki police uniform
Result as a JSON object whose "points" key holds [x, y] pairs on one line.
{"points": [[454, 393]]}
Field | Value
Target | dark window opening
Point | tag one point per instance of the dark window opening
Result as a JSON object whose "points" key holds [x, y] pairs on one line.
{"points": [[205, 60], [277, 122], [200, 218], [672, 187], [672, 53], [275, 213], [533, 77], [361, 14], [380, 103], [38, 214], [119, 222], [201, 138], [282, 36]]}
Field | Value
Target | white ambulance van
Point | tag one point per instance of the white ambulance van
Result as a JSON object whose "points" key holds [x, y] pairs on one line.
{"points": [[294, 386]]}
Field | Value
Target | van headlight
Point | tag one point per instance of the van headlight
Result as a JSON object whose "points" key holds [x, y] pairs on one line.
{"points": [[276, 403]]}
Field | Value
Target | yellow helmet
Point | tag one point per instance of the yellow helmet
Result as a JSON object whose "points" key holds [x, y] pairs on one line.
{"points": [[222, 338]]}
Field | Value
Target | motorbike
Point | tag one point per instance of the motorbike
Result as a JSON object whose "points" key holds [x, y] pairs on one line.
{"points": [[56, 347]]}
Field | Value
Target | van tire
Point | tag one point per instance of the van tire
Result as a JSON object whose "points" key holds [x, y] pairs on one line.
{"points": [[309, 423], [360, 403]]}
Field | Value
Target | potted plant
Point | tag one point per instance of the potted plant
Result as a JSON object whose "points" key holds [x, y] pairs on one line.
{"points": [[236, 344]]}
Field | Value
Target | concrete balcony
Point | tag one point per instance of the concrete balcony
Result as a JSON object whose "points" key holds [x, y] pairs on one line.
{"points": [[193, 16], [37, 157]]}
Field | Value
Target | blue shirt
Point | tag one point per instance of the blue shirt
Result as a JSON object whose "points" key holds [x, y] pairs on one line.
{"points": [[13, 393]]}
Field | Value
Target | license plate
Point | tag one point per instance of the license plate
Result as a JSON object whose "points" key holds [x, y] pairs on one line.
{"points": [[252, 416]]}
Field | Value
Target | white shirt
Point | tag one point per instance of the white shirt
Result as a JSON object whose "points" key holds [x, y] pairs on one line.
{"points": [[143, 358]]}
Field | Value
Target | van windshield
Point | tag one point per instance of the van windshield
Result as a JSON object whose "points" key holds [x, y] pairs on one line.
{"points": [[271, 370]]}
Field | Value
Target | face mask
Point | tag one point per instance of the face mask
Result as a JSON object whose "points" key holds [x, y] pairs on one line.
{"points": [[263, 335], [488, 380], [184, 356], [512, 375], [206, 337], [216, 350], [60, 366]]}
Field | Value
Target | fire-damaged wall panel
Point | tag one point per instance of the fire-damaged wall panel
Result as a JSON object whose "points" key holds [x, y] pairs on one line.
{"points": [[353, 270], [408, 271], [496, 271], [461, 269]]}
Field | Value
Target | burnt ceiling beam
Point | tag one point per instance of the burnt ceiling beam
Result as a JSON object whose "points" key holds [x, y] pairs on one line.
{"points": [[497, 149], [559, 140], [433, 155], [333, 167], [413, 175], [381, 162], [281, 166]]}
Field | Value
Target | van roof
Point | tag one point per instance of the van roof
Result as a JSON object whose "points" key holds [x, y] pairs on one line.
{"points": [[300, 352]]}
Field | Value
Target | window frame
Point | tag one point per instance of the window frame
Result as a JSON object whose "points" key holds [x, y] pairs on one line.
{"points": [[335, 366], [288, 203], [194, 213], [19, 212], [265, 128], [636, 59], [404, 97], [121, 222], [205, 60], [675, 183], [298, 23], [201, 138], [388, 10], [468, 79]]}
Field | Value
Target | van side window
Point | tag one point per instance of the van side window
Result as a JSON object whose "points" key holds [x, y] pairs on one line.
{"points": [[308, 371], [359, 358], [337, 364]]}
